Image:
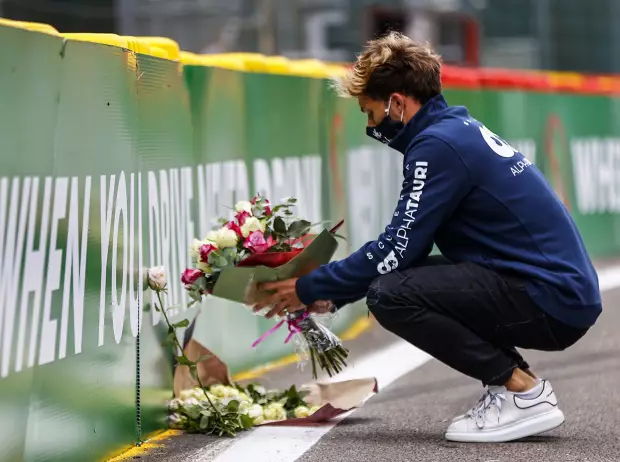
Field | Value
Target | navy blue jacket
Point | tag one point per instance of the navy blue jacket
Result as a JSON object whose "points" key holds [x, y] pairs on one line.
{"points": [[479, 200]]}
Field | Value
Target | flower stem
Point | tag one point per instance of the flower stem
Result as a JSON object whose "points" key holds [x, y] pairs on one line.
{"points": [[178, 344]]}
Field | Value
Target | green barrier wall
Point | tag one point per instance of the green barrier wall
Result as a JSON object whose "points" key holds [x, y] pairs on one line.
{"points": [[112, 162]]}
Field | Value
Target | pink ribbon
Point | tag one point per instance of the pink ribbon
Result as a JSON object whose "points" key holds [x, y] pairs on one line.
{"points": [[293, 328]]}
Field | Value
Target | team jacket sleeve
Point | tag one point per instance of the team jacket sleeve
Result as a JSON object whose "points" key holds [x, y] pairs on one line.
{"points": [[435, 181]]}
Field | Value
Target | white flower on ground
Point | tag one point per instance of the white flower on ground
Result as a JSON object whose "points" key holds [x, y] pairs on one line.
{"points": [[191, 402], [177, 421], [313, 409], [243, 206], [301, 412], [198, 394], [223, 238], [252, 224], [156, 278], [255, 411], [219, 391], [174, 404], [243, 397], [274, 411]]}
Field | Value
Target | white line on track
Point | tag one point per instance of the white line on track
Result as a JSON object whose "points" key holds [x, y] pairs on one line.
{"points": [[287, 444]]}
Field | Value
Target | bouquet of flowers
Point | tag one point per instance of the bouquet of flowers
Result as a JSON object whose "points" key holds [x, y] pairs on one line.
{"points": [[269, 238]]}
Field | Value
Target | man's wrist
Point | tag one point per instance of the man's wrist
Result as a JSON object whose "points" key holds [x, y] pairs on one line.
{"points": [[304, 291]]}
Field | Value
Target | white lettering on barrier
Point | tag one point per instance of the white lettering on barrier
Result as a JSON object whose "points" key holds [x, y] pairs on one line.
{"points": [[34, 261], [155, 238], [374, 176], [75, 268], [136, 269], [596, 174], [49, 326], [118, 301], [41, 270], [12, 243]]}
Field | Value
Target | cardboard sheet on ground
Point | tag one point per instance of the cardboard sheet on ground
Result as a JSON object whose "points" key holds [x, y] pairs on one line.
{"points": [[239, 284], [335, 398]]}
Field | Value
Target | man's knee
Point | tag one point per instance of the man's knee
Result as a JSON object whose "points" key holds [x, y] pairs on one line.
{"points": [[385, 298]]}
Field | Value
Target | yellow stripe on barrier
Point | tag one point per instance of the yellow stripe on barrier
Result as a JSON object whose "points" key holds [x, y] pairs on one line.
{"points": [[31, 26], [160, 52], [170, 46], [105, 39]]}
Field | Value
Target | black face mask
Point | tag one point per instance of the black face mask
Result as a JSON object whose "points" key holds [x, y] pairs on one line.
{"points": [[387, 130]]}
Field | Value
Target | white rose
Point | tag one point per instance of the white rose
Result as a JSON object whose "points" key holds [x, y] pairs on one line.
{"points": [[259, 420], [198, 394], [174, 404], [191, 402], [156, 278], [255, 411], [301, 412], [185, 394], [252, 224], [270, 413], [223, 238], [274, 411], [313, 409], [243, 206], [232, 392], [204, 267], [219, 391], [177, 421]]}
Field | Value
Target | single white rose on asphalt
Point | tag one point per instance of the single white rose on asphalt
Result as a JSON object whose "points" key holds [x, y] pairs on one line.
{"points": [[252, 224], [243, 206], [156, 278], [223, 238], [301, 412]]}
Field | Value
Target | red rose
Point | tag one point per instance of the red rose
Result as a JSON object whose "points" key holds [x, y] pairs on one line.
{"points": [[205, 250], [241, 217], [190, 276], [235, 227]]}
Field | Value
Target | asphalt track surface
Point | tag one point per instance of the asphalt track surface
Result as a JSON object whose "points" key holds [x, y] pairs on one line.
{"points": [[406, 420]]}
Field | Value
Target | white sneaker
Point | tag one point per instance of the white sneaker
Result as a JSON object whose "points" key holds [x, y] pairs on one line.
{"points": [[501, 415]]}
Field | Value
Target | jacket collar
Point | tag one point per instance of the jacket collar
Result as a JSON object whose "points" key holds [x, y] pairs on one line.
{"points": [[426, 116]]}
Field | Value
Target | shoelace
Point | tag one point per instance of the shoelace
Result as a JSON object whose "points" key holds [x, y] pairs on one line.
{"points": [[490, 398]]}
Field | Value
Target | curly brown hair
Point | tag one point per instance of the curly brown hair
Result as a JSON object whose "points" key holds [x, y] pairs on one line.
{"points": [[393, 64]]}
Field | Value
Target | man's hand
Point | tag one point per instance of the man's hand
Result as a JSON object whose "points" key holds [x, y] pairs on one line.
{"points": [[320, 307], [283, 299]]}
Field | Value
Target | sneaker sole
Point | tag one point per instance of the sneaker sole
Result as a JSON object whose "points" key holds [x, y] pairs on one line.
{"points": [[521, 429]]}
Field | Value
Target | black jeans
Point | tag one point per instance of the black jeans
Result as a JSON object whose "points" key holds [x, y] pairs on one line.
{"points": [[467, 316]]}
